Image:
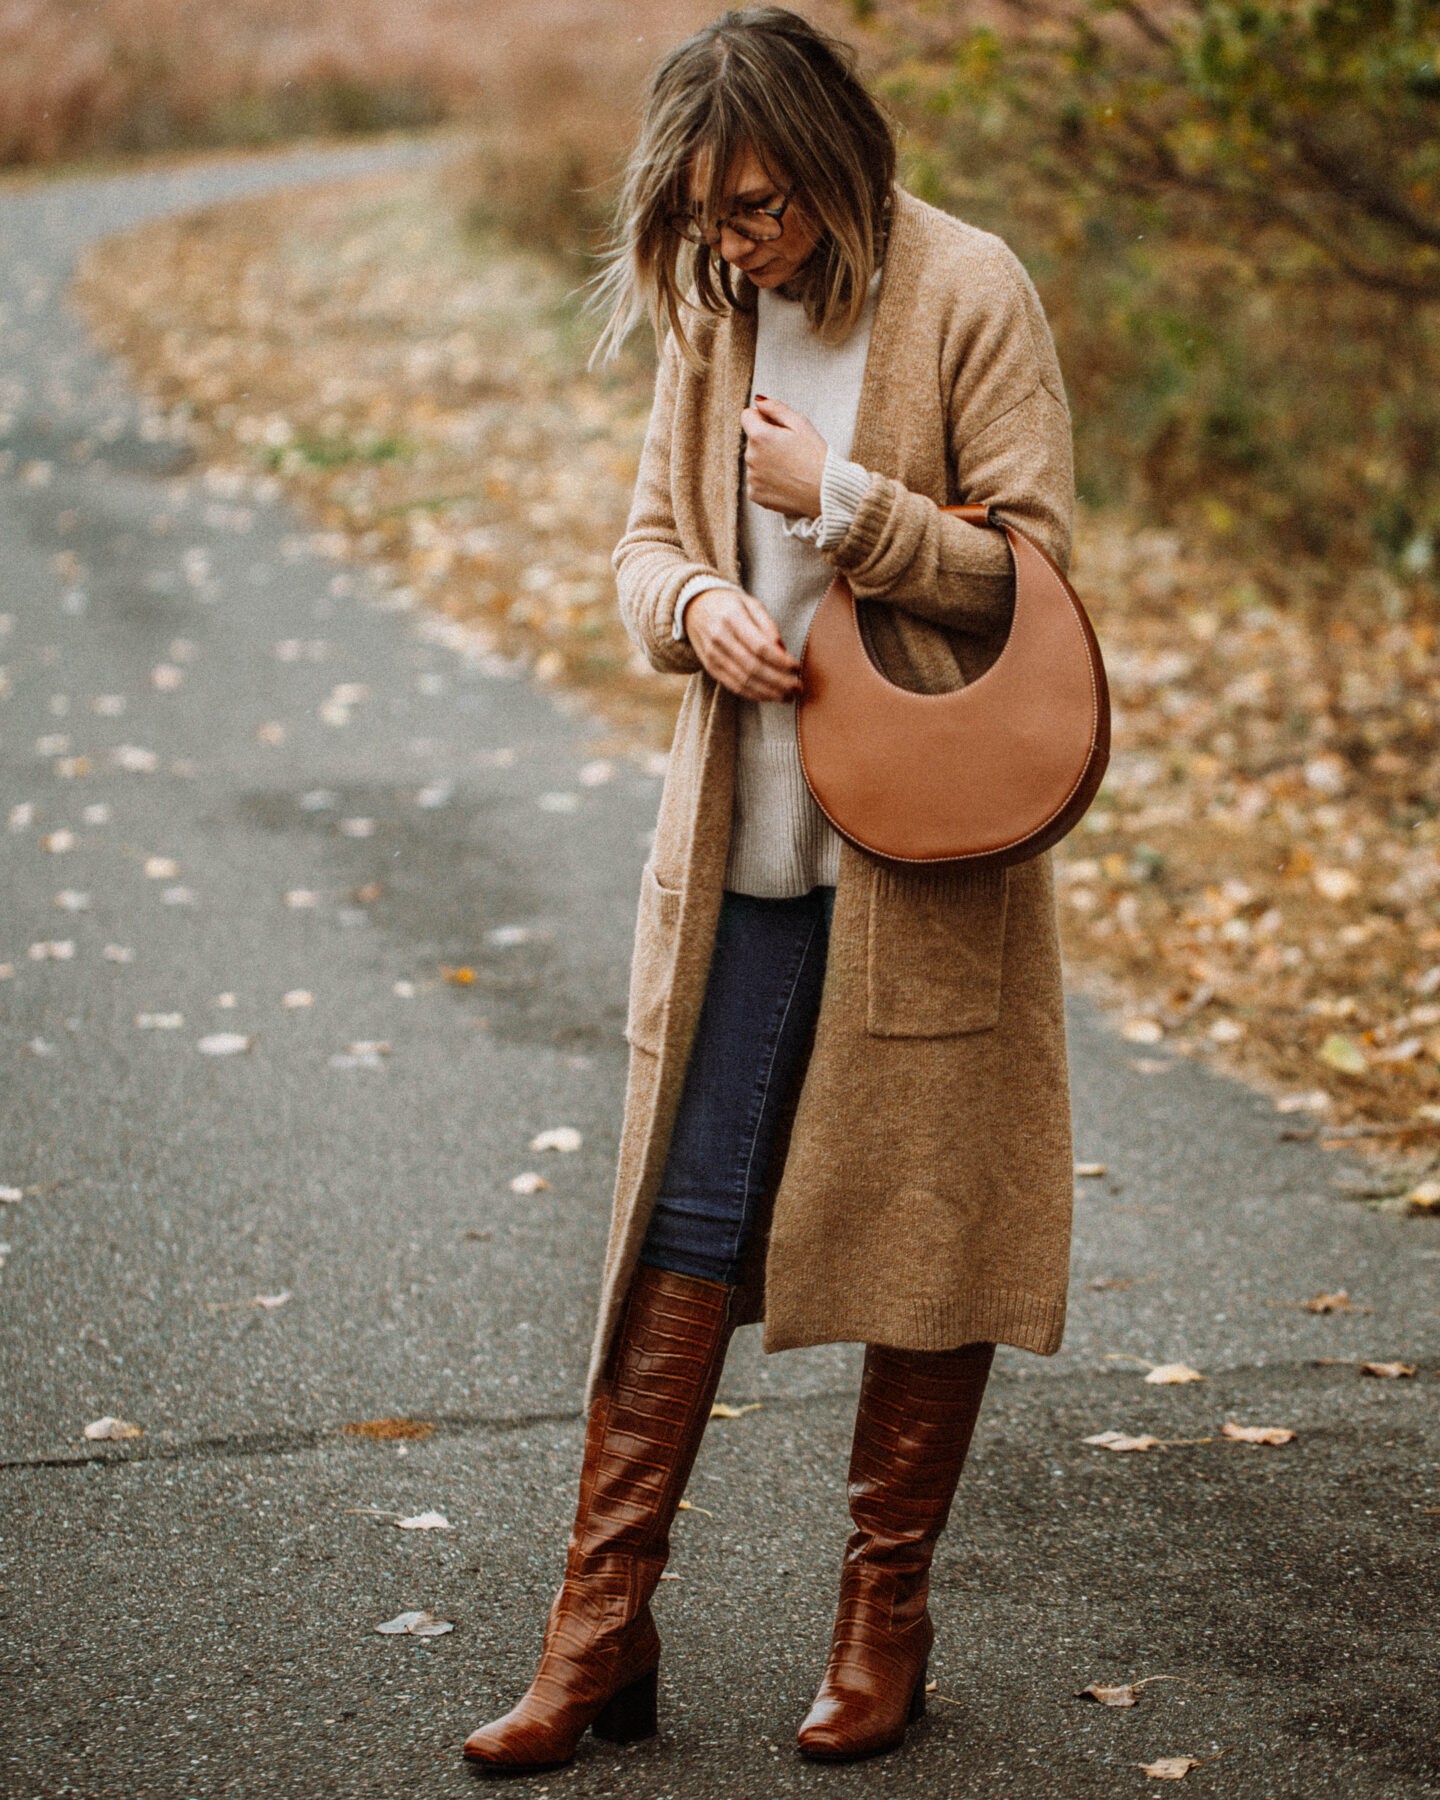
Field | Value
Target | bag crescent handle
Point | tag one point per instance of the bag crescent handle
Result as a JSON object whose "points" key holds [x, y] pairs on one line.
{"points": [[991, 773]]}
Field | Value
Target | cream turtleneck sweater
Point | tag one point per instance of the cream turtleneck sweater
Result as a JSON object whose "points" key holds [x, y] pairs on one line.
{"points": [[781, 844]]}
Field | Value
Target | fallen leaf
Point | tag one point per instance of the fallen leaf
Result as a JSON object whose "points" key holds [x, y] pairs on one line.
{"points": [[357, 828], [1142, 1031], [595, 774], [415, 1624], [1328, 1303], [1424, 1198], [368, 1047], [271, 1301], [367, 893], [458, 977], [56, 842], [159, 1021], [71, 900], [690, 1506], [272, 732], [161, 868], [297, 997], [1121, 1441], [1150, 1065], [118, 953], [165, 678], [227, 1002], [437, 794], [1257, 1434], [426, 1521], [11, 1196], [1124, 1695], [722, 1410], [558, 803], [52, 950], [298, 897], [389, 1428], [111, 1428], [1087, 1170], [1171, 1768], [134, 759], [478, 1237], [528, 1183], [403, 990], [1343, 1053], [224, 1043], [1336, 884], [1172, 1375], [505, 937], [1388, 1371], [564, 1138]]}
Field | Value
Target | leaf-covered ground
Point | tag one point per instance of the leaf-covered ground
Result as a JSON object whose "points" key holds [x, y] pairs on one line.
{"points": [[1256, 883]]}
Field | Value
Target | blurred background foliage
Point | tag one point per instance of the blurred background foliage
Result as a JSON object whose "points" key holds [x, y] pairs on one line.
{"points": [[1233, 212], [1232, 209]]}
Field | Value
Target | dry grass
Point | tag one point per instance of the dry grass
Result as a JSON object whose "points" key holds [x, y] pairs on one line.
{"points": [[138, 75]]}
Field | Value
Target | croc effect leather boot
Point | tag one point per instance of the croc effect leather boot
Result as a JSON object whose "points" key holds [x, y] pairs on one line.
{"points": [[913, 1427], [599, 1666]]}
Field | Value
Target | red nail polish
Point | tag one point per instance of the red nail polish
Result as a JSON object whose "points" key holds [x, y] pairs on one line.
{"points": [[762, 396]]}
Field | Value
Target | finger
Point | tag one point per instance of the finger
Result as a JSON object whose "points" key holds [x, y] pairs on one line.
{"points": [[776, 412], [750, 673], [767, 631], [760, 651]]}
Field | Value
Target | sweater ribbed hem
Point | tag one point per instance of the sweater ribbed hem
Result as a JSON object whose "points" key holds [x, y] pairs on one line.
{"points": [[781, 844], [973, 1316]]}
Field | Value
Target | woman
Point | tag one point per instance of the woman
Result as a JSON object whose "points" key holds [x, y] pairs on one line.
{"points": [[848, 1108]]}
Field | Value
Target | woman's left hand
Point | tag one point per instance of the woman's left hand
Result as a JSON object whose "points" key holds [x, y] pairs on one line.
{"points": [[784, 459]]}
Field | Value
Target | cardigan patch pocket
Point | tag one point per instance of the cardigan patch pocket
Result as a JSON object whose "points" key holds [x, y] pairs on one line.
{"points": [[936, 950], [653, 969]]}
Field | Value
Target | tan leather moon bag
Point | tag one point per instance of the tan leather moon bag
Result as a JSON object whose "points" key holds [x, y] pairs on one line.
{"points": [[990, 773]]}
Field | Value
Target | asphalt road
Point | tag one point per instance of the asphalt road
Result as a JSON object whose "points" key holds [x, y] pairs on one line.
{"points": [[192, 1613]]}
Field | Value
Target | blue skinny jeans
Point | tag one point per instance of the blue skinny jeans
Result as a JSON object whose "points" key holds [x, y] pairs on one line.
{"points": [[761, 1001]]}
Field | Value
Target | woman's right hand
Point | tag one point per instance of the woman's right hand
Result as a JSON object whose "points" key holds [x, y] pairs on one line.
{"points": [[740, 645]]}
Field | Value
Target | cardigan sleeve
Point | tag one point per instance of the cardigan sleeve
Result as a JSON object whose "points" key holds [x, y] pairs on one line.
{"points": [[651, 567], [1009, 446]]}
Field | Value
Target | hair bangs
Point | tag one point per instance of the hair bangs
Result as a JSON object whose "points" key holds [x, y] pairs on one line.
{"points": [[762, 79]]}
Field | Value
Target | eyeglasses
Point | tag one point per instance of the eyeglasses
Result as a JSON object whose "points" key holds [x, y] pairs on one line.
{"points": [[760, 224]]}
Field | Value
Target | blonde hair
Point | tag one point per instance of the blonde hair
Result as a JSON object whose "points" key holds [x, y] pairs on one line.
{"points": [[761, 78]]}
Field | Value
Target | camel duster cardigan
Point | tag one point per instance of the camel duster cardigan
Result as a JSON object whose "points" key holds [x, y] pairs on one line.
{"points": [[923, 1197]]}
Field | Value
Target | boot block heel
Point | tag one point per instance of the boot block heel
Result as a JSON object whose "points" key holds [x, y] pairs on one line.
{"points": [[632, 1713], [917, 1699]]}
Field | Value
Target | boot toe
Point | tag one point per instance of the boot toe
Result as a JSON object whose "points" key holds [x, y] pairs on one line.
{"points": [[844, 1727], [508, 1749]]}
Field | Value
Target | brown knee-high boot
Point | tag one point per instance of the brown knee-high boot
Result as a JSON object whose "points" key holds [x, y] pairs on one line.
{"points": [[916, 1415], [599, 1665]]}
